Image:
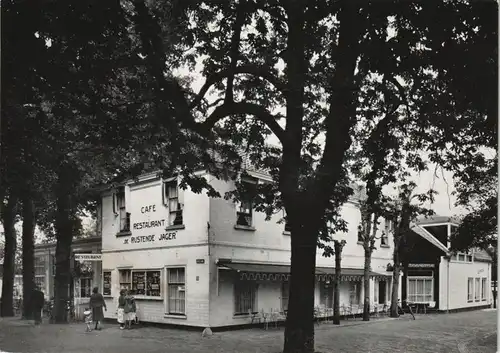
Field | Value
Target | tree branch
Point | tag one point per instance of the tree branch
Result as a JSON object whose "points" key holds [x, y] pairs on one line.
{"points": [[256, 70], [235, 49], [256, 110]]}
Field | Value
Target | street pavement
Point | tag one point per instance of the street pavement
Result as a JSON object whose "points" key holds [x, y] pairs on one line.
{"points": [[460, 332]]}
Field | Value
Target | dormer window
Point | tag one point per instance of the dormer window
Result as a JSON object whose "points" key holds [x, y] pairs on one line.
{"points": [[244, 215], [173, 201]]}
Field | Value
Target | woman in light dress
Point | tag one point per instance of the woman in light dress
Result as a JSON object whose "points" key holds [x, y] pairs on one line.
{"points": [[129, 310], [121, 309]]}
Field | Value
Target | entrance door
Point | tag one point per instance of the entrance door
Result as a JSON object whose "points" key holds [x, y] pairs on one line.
{"points": [[382, 291]]}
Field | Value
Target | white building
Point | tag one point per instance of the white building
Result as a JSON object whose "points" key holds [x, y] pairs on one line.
{"points": [[454, 281], [199, 261]]}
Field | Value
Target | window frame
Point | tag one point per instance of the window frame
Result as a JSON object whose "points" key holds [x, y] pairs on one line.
{"points": [[168, 309], [484, 282], [470, 289], [477, 289], [146, 294], [110, 283], [120, 210], [179, 213], [384, 238], [416, 295], [245, 206], [253, 290]]}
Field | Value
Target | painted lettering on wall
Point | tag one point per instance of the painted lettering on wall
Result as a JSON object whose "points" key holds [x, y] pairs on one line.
{"points": [[148, 208], [150, 238], [149, 224]]}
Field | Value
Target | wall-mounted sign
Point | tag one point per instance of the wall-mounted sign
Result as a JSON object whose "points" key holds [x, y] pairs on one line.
{"points": [[421, 265], [88, 257], [153, 238], [200, 261]]}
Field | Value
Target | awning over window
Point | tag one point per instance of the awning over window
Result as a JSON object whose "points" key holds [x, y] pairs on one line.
{"points": [[253, 271], [259, 271], [347, 274]]}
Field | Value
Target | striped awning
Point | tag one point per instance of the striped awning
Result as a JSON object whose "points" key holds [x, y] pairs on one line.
{"points": [[275, 272]]}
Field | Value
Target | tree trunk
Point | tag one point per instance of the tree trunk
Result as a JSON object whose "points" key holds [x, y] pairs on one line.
{"points": [[9, 261], [28, 256], [64, 236], [395, 282], [366, 284], [299, 330], [336, 283]]}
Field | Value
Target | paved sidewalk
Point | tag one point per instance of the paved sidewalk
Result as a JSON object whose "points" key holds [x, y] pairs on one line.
{"points": [[462, 332]]}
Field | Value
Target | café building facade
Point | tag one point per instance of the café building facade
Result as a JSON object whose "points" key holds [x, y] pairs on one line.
{"points": [[209, 262]]}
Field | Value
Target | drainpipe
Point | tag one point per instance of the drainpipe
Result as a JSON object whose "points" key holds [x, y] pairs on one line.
{"points": [[448, 285]]}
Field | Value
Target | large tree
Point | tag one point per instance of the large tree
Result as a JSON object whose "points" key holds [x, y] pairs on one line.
{"points": [[315, 59]]}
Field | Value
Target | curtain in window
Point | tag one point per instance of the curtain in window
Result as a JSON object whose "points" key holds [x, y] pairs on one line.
{"points": [[244, 296], [470, 285], [176, 291], [477, 289]]}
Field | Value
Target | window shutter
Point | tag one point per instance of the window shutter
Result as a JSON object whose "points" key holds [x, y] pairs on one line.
{"points": [[180, 194], [115, 206], [164, 191]]}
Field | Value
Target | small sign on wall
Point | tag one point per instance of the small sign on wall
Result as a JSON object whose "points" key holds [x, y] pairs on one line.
{"points": [[200, 261], [88, 257]]}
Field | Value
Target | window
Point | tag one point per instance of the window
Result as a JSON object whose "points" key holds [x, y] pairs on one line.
{"points": [[176, 291], [354, 292], [174, 203], [40, 272], [382, 292], [483, 288], [142, 282], [285, 294], [477, 289], [244, 214], [326, 294], [85, 289], [360, 234], [287, 225], [245, 297], [462, 257], [384, 240], [470, 288], [420, 289], [106, 283], [125, 279], [121, 210]]}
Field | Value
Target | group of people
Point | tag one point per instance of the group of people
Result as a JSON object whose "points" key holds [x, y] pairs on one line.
{"points": [[126, 312]]}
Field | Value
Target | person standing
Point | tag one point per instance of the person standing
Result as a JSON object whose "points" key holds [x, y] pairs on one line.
{"points": [[37, 302], [121, 312], [128, 310], [97, 303]]}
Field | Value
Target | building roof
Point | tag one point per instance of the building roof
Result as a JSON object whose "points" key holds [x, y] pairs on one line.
{"points": [[437, 220], [421, 231], [482, 255]]}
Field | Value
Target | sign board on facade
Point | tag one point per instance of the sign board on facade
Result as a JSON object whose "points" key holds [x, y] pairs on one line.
{"points": [[88, 257], [421, 265]]}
